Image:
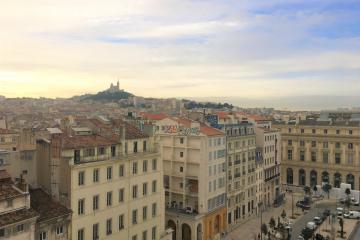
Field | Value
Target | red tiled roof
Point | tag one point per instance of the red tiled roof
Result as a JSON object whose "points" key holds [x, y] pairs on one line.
{"points": [[86, 141], [222, 115], [17, 216], [47, 207], [256, 117], [132, 132]]}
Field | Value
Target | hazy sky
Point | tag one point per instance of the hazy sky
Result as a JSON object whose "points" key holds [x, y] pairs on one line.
{"points": [[240, 48]]}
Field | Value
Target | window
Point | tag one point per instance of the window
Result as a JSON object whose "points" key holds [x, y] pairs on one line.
{"points": [[302, 143], [154, 164], [144, 213], [181, 154], [154, 186], [135, 191], [145, 165], [60, 230], [95, 202], [144, 189], [96, 231], [313, 156], [109, 173], [134, 237], [121, 221], [153, 209], [313, 144], [325, 144], [210, 187], [337, 145], [81, 206], [121, 170], [101, 151], [43, 236], [144, 235], [81, 234], [302, 130], [302, 155], [350, 158], [81, 178], [289, 130], [121, 195], [182, 141], [134, 217], [181, 169], [113, 151], [109, 199], [135, 147], [350, 146], [289, 154], [325, 157], [337, 158], [337, 131], [313, 131], [153, 233], [144, 146], [350, 132], [90, 152], [290, 142], [96, 175], [134, 168], [108, 226], [2, 232]]}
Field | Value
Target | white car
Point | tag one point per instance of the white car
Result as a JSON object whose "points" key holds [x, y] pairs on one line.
{"points": [[352, 215], [311, 225], [189, 210], [340, 211], [354, 202]]}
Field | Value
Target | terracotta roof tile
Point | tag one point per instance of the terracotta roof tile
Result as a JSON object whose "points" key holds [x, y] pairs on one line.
{"points": [[153, 116], [17, 216], [47, 207], [86, 141]]}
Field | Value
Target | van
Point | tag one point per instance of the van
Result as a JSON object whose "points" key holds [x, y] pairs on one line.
{"points": [[352, 215]]}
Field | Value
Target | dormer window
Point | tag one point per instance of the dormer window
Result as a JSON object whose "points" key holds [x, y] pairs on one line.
{"points": [[101, 151], [135, 147]]}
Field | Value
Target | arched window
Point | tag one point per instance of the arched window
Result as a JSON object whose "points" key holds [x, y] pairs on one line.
{"points": [[337, 180], [313, 178], [302, 177], [350, 179], [289, 176]]}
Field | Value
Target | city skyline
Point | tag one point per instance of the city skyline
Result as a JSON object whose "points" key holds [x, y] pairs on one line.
{"points": [[181, 48]]}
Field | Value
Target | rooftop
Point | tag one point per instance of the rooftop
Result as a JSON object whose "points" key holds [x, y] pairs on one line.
{"points": [[86, 141], [47, 207], [6, 131], [204, 129], [17, 216], [8, 191]]}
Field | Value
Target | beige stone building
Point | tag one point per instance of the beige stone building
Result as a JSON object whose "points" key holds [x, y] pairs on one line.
{"points": [[109, 174], [268, 146], [320, 151], [193, 156], [17, 219]]}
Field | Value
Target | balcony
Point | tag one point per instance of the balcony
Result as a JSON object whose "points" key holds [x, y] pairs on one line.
{"points": [[272, 177], [237, 162]]}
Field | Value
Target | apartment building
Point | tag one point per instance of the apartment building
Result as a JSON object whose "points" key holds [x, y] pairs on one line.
{"points": [[109, 174], [241, 175], [193, 156], [268, 144], [17, 219], [314, 152]]}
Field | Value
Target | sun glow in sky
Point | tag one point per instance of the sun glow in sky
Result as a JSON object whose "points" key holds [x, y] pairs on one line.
{"points": [[172, 48]]}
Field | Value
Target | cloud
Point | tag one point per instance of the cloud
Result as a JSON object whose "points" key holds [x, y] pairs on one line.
{"points": [[159, 48]]}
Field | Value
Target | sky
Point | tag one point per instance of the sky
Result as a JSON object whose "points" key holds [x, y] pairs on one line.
{"points": [[180, 48]]}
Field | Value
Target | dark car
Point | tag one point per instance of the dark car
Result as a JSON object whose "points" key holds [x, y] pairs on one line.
{"points": [[302, 204], [326, 213]]}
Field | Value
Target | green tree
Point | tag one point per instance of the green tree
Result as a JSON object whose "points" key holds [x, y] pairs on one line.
{"points": [[264, 229], [306, 190], [326, 188], [283, 214], [272, 223], [347, 200]]}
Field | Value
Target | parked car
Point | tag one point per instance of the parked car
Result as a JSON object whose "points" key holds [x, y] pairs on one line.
{"points": [[326, 213], [354, 202], [352, 215], [311, 225], [303, 205], [318, 220], [340, 211]]}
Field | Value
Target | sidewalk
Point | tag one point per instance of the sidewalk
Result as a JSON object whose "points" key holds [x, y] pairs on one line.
{"points": [[250, 229]]}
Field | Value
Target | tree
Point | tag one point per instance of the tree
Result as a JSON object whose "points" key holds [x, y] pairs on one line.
{"points": [[264, 229], [306, 190], [341, 223], [283, 214], [347, 200], [315, 188], [272, 223], [326, 188]]}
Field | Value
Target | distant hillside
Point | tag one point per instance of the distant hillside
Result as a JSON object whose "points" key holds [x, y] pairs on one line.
{"points": [[105, 96]]}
